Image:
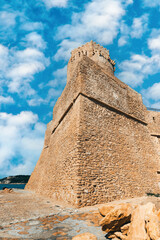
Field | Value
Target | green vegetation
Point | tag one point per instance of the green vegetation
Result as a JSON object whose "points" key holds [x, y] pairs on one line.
{"points": [[15, 179]]}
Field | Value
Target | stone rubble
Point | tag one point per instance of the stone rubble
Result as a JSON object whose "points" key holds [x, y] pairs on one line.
{"points": [[126, 221], [130, 222], [7, 190]]}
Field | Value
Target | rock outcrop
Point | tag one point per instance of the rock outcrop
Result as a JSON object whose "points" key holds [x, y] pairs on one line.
{"points": [[115, 216], [130, 222]]}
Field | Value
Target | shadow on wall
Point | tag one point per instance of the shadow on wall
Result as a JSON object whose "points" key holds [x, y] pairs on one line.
{"points": [[153, 194]]}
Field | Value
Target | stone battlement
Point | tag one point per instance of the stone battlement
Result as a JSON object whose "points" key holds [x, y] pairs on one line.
{"points": [[92, 50], [95, 52]]}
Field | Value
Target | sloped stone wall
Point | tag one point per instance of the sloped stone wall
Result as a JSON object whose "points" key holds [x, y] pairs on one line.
{"points": [[118, 159], [98, 147]]}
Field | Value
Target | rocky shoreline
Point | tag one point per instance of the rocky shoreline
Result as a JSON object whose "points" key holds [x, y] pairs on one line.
{"points": [[18, 179]]}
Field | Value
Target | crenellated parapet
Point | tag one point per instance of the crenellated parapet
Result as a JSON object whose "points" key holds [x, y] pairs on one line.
{"points": [[95, 52]]}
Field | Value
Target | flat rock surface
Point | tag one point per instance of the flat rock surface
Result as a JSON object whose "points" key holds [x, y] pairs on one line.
{"points": [[24, 215]]}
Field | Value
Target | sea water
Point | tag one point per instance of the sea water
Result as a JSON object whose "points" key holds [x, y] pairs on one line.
{"points": [[20, 186]]}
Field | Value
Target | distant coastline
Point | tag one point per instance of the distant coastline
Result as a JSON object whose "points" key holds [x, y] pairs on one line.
{"points": [[15, 180]]}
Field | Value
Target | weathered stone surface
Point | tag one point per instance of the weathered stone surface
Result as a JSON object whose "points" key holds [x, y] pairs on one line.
{"points": [[158, 214], [137, 226], [144, 224], [120, 235], [152, 223], [85, 236], [105, 209], [124, 228], [98, 146], [116, 217]]}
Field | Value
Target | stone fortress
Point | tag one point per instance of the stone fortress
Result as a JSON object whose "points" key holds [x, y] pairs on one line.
{"points": [[102, 143]]}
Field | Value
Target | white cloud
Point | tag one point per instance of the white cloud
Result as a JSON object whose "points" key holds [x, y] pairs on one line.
{"points": [[131, 78], [20, 143], [36, 101], [124, 30], [6, 100], [100, 22], [32, 26], [151, 3], [154, 41], [28, 62], [55, 3], [3, 58], [122, 41], [139, 67], [136, 30], [61, 74], [34, 39], [66, 46], [29, 53], [156, 105], [17, 68], [55, 85], [139, 26], [152, 92], [7, 19], [25, 70], [151, 95]]}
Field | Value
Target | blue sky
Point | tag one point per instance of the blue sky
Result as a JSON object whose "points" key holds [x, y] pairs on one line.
{"points": [[36, 38]]}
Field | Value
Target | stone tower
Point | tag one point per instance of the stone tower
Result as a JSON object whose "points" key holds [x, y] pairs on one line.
{"points": [[98, 146]]}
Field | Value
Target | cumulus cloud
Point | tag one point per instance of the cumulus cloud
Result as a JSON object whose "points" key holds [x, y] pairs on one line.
{"points": [[3, 58], [8, 23], [32, 26], [154, 41], [55, 3], [139, 26], [20, 143], [36, 101], [151, 94], [55, 85], [136, 30], [100, 22], [27, 63], [6, 100], [7, 19], [156, 105], [34, 39], [139, 67], [65, 48], [18, 67], [151, 3]]}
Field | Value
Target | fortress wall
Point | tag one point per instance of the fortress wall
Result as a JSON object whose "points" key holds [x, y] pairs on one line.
{"points": [[67, 98], [153, 119], [91, 79], [98, 147], [56, 170], [108, 89], [117, 157]]}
